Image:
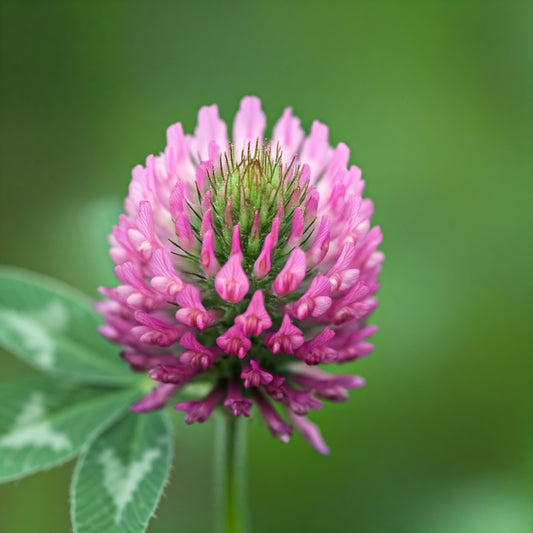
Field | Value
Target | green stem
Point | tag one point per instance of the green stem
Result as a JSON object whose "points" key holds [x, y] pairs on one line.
{"points": [[230, 474]]}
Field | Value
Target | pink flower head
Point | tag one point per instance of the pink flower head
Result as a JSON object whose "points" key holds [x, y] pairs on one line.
{"points": [[245, 264]]}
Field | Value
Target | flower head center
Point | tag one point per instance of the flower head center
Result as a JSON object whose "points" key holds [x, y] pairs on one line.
{"points": [[253, 190]]}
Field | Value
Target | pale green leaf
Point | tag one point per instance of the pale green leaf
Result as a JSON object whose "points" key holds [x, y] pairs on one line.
{"points": [[45, 422], [119, 481], [54, 328]]}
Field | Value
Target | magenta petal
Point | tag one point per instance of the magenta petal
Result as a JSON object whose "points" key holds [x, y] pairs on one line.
{"points": [[156, 399], [256, 319], [291, 274], [310, 432], [231, 282], [200, 411]]}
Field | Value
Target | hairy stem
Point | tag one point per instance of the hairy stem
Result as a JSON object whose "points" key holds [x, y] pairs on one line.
{"points": [[230, 474]]}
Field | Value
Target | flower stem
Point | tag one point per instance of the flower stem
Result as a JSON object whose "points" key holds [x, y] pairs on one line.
{"points": [[230, 474]]}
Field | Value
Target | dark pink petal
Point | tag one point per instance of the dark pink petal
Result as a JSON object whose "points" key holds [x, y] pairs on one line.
{"points": [[235, 402], [184, 233], [143, 237], [155, 331], [349, 345], [207, 222], [276, 389], [275, 226], [177, 200], [177, 373], [141, 362], [165, 281], [135, 292], [255, 319], [236, 243], [297, 229], [253, 376], [197, 355], [314, 302], [287, 339], [291, 274], [200, 411], [342, 274], [328, 386], [234, 342], [207, 256], [299, 401], [311, 205], [316, 350], [156, 399], [192, 312], [231, 282], [320, 246], [276, 425], [310, 432], [263, 263]]}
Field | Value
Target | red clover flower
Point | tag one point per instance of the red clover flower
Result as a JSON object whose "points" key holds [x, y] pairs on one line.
{"points": [[244, 265]]}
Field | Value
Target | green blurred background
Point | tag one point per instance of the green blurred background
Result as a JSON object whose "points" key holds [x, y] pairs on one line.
{"points": [[434, 99]]}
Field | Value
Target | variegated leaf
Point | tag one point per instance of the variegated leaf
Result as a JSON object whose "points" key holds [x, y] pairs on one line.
{"points": [[54, 328], [119, 481], [45, 422]]}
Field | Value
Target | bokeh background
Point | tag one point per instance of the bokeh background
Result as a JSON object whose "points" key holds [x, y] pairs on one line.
{"points": [[434, 99]]}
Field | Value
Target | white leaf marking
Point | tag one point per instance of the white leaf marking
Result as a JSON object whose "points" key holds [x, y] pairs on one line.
{"points": [[120, 481], [26, 431], [31, 330]]}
